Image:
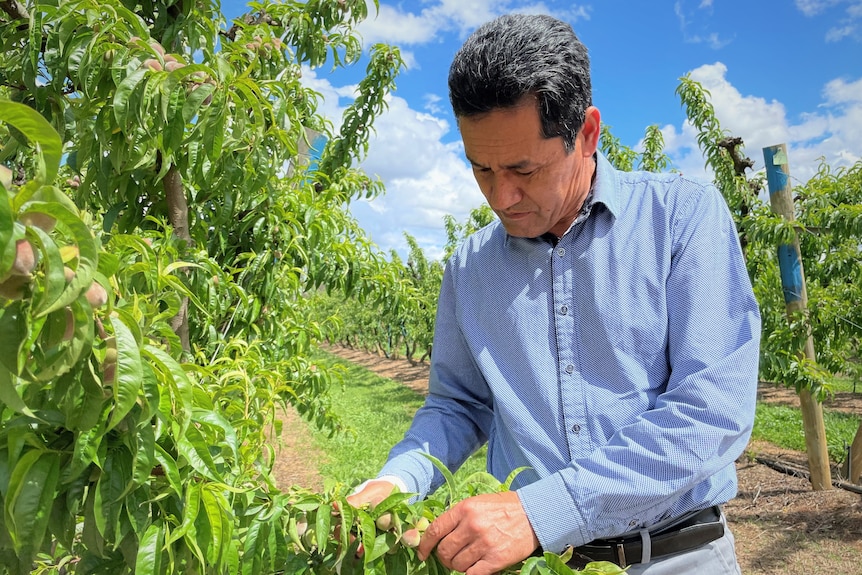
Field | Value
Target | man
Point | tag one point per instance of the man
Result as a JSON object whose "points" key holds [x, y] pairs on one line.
{"points": [[603, 334]]}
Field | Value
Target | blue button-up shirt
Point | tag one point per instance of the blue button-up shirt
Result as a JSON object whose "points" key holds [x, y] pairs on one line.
{"points": [[618, 364]]}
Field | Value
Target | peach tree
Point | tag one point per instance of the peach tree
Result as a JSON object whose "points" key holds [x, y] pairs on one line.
{"points": [[158, 227]]}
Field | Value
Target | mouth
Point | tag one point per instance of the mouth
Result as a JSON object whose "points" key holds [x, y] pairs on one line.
{"points": [[515, 215]]}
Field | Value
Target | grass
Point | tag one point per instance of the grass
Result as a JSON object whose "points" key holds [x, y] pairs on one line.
{"points": [[377, 411], [782, 426]]}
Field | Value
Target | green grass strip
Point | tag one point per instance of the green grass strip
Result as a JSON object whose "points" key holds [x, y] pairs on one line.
{"points": [[782, 425], [377, 412]]}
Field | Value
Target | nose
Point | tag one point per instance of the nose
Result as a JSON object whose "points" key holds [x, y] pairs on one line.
{"points": [[504, 191]]}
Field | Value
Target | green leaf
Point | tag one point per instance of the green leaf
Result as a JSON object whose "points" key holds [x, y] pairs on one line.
{"points": [[195, 449], [174, 378], [37, 129], [149, 558], [9, 394], [32, 486], [88, 251], [129, 372], [216, 420], [123, 115], [170, 469], [13, 334], [216, 518], [451, 485], [323, 524]]}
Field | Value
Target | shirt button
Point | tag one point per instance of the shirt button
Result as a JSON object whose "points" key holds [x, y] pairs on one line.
{"points": [[564, 309], [561, 252], [576, 428], [570, 368], [632, 523]]}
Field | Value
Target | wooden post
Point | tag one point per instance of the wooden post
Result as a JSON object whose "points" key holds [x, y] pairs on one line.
{"points": [[796, 301], [854, 462]]}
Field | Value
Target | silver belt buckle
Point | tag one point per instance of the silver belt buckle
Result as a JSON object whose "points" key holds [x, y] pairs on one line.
{"points": [[621, 555]]}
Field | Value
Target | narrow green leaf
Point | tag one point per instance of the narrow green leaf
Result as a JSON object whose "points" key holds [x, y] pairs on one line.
{"points": [[213, 511], [169, 467], [191, 508], [215, 419], [123, 95], [149, 558], [195, 449], [9, 394], [32, 487], [13, 335], [129, 372]]}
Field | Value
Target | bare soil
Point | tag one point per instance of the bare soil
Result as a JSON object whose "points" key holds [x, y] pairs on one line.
{"points": [[780, 524]]}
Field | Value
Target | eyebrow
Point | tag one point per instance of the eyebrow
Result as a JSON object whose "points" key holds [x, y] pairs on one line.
{"points": [[516, 166]]}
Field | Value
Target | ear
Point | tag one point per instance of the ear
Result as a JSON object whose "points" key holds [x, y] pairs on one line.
{"points": [[590, 131]]}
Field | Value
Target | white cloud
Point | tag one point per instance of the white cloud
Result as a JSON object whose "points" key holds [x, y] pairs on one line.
{"points": [[830, 132], [425, 180], [847, 26], [396, 25], [695, 24]]}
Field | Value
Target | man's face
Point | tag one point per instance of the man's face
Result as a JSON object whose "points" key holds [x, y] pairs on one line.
{"points": [[529, 181]]}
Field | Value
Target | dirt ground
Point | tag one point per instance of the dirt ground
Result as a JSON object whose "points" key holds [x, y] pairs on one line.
{"points": [[780, 524]]}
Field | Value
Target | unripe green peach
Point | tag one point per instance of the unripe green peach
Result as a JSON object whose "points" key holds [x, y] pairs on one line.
{"points": [[13, 287], [384, 522], [44, 222], [422, 524], [69, 274], [6, 177], [157, 47], [152, 64], [411, 538], [96, 295], [69, 332], [25, 259], [301, 525]]}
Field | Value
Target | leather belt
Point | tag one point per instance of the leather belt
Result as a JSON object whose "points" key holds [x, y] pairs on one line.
{"points": [[689, 533]]}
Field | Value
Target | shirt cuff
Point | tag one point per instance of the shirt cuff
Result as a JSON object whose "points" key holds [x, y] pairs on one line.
{"points": [[552, 512], [394, 480]]}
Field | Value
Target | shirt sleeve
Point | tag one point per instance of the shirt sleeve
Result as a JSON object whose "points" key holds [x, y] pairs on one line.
{"points": [[701, 422], [456, 417]]}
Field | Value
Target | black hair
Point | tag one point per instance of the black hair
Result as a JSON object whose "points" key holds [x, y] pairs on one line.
{"points": [[515, 56]]}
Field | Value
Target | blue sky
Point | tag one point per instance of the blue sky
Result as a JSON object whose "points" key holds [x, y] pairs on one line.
{"points": [[779, 71]]}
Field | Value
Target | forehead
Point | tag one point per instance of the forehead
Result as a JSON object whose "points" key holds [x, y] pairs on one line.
{"points": [[506, 136]]}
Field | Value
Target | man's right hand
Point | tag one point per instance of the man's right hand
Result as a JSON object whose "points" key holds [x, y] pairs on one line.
{"points": [[372, 493]]}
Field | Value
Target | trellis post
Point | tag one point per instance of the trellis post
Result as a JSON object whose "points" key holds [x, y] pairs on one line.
{"points": [[796, 301]]}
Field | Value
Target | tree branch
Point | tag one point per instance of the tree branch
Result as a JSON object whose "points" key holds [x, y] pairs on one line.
{"points": [[14, 9], [178, 215]]}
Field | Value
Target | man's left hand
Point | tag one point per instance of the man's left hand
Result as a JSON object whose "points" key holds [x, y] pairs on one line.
{"points": [[481, 535]]}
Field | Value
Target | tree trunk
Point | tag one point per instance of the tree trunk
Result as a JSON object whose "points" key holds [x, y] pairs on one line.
{"points": [[178, 215]]}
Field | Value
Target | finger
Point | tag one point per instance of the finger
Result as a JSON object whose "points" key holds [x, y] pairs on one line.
{"points": [[465, 558], [483, 567], [439, 528]]}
